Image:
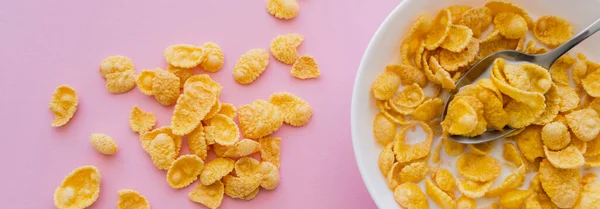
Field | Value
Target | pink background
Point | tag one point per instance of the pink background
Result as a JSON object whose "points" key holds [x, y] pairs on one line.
{"points": [[44, 44]]}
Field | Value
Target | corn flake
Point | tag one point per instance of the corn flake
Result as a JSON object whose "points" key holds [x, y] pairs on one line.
{"points": [[464, 202], [197, 142], [478, 19], [590, 83], [386, 159], [114, 64], [213, 57], [184, 171], [385, 85], [514, 199], [228, 109], [242, 148], [510, 25], [259, 119], [165, 87], [590, 196], [444, 180], [184, 55], [438, 196], [191, 108], [452, 61], [240, 187], [499, 6], [461, 118], [552, 30], [480, 168], [270, 150], [408, 152], [120, 82], [163, 151], [579, 71], [534, 99], [141, 121], [250, 65], [552, 106], [204, 80], [104, 144], [283, 47], [215, 170], [182, 73], [296, 111], [530, 143], [593, 148], [147, 137], [129, 198], [453, 148], [482, 148], [384, 130], [283, 9], [560, 69], [408, 75], [79, 189], [512, 181], [145, 80], [567, 158], [585, 123], [428, 110], [568, 98], [306, 67], [409, 195], [214, 110], [414, 172], [522, 114], [561, 185], [458, 38], [495, 42], [210, 196], [63, 105], [473, 189], [556, 136], [225, 131], [439, 31]]}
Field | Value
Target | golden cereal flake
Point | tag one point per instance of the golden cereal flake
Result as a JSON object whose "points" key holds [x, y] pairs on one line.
{"points": [[213, 57], [214, 110], [531, 48], [384, 130], [452, 61], [408, 74], [206, 81], [534, 99], [522, 114], [79, 189], [252, 195], [438, 196], [453, 148], [408, 152], [428, 110], [242, 148], [283, 9], [567, 158], [445, 180], [441, 76], [228, 109], [191, 108], [296, 111], [414, 172], [246, 166], [590, 196], [556, 135], [210, 196], [225, 131], [141, 121], [259, 119], [456, 12], [552, 30], [593, 148], [197, 142], [147, 137], [568, 98], [184, 55], [499, 6], [145, 80], [283, 47], [270, 175], [510, 154], [579, 71], [461, 118], [514, 199], [473, 189], [560, 69], [530, 143], [250, 65], [590, 83], [104, 144], [512, 181], [115, 64], [184, 171], [182, 73], [165, 87], [410, 97], [63, 105], [270, 150], [478, 19], [561, 185], [215, 170], [495, 42], [305, 67], [241, 186], [464, 202], [510, 25], [482, 148], [385, 85], [386, 159], [412, 44], [409, 195], [439, 31], [163, 151], [478, 167], [129, 198], [552, 106], [120, 82], [219, 149], [458, 38], [585, 123]]}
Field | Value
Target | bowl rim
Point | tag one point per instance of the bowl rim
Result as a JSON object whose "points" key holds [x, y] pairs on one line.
{"points": [[353, 105]]}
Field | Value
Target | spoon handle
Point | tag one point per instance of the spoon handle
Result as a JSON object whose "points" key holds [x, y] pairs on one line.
{"points": [[548, 58]]}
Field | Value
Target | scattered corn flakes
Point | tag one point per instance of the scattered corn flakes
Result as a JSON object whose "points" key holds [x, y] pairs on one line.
{"points": [[184, 55], [259, 119], [306, 67], [478, 19], [510, 25], [215, 170], [165, 87], [452, 61], [283, 9], [115, 64], [79, 189], [552, 30], [585, 123], [210, 196], [439, 31], [213, 57], [184, 171], [409, 195], [283, 47], [129, 198], [63, 105], [438, 196], [104, 144], [250, 65], [561, 185], [478, 167], [473, 189], [556, 136]]}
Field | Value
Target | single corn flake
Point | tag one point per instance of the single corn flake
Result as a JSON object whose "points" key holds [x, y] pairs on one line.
{"points": [[184, 55], [210, 196], [115, 64], [473, 189], [296, 111], [283, 9], [182, 73], [386, 159], [410, 97], [214, 110], [259, 119], [514, 199], [561, 185], [500, 6], [283, 47], [184, 171], [409, 195], [438, 196], [510, 154], [104, 144], [240, 186], [250, 65], [147, 137], [219, 149], [141, 121], [213, 57], [246, 166], [510, 25], [480, 168], [215, 170], [163, 151], [590, 83], [445, 180], [191, 108], [63, 105], [305, 67], [458, 38], [482, 148], [495, 42], [79, 189], [270, 150], [552, 106], [478, 19], [242, 148], [461, 118], [408, 152], [452, 61], [585, 123], [531, 48], [414, 172], [590, 196], [204, 80], [522, 114], [534, 99], [439, 31], [197, 142], [429, 110], [593, 148], [226, 132], [512, 181], [129, 198], [456, 12], [530, 143], [145, 81], [579, 71], [408, 74], [228, 109], [464, 202], [556, 136], [560, 69], [385, 85], [567, 158], [270, 175], [453, 148], [120, 82], [165, 87], [552, 30], [384, 130], [568, 98]]}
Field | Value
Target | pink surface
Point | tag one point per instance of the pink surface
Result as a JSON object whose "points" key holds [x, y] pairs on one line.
{"points": [[44, 44]]}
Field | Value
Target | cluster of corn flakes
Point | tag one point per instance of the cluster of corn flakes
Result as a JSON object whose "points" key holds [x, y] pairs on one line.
{"points": [[557, 123]]}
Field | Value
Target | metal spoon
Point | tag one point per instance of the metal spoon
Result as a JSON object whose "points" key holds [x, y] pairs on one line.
{"points": [[545, 60]]}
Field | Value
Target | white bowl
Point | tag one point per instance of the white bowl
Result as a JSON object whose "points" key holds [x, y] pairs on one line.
{"points": [[384, 49]]}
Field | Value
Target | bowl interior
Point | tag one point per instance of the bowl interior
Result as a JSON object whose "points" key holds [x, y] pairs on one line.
{"points": [[384, 49]]}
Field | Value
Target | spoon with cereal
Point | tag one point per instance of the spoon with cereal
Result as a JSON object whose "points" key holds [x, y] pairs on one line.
{"points": [[460, 115]]}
